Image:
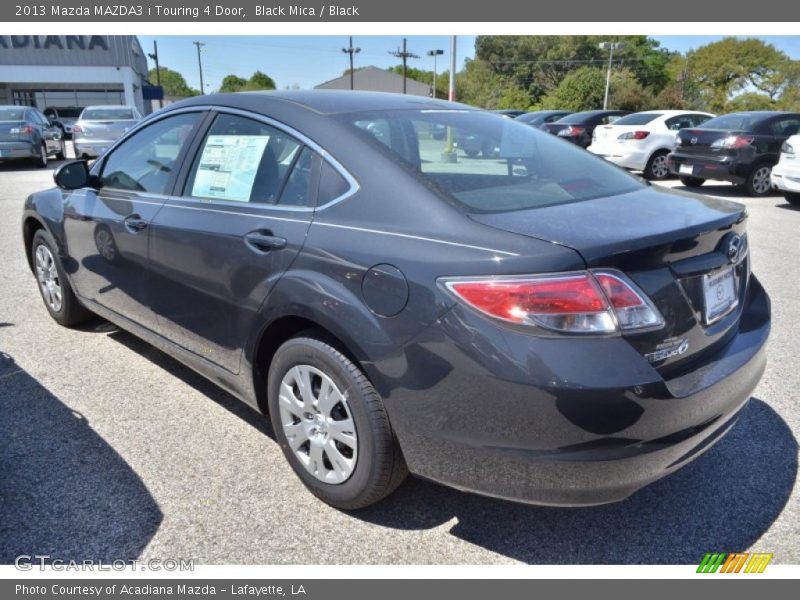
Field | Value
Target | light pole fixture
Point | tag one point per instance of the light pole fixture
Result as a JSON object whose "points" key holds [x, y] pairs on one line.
{"points": [[434, 54], [610, 46]]}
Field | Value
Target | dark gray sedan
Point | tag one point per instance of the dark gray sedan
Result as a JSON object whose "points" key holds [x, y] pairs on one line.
{"points": [[538, 325], [25, 133]]}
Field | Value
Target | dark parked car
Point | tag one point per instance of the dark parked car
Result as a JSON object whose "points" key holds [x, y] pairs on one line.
{"points": [[542, 327], [579, 127], [540, 118], [739, 147], [511, 113], [25, 133], [64, 117]]}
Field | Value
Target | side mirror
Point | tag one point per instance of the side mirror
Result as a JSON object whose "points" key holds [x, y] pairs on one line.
{"points": [[72, 175]]}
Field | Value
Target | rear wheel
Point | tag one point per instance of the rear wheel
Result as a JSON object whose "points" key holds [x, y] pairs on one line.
{"points": [[691, 181], [58, 297], [758, 182], [332, 425], [656, 168], [62, 151], [41, 160], [792, 198]]}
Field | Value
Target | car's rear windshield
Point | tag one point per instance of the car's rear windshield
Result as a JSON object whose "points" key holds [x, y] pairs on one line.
{"points": [[488, 163], [11, 114], [736, 122], [68, 112], [107, 114], [637, 119]]}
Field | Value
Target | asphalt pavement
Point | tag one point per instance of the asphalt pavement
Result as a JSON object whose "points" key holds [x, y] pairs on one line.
{"points": [[109, 449]]}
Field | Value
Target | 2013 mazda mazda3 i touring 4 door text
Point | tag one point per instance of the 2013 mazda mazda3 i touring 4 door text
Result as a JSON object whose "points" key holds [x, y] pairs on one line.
{"points": [[535, 325]]}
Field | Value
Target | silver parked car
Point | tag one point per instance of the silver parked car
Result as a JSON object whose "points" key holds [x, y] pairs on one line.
{"points": [[99, 126], [25, 133]]}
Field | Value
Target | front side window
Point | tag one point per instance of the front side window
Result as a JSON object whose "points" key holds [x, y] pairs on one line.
{"points": [[242, 160], [499, 164], [146, 161]]}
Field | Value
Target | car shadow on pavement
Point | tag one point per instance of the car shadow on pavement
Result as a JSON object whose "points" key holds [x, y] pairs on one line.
{"points": [[64, 492], [725, 500], [723, 191]]}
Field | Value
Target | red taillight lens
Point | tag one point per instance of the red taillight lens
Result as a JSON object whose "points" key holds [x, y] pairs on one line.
{"points": [[26, 129], [740, 141], [77, 129], [579, 302], [634, 135]]}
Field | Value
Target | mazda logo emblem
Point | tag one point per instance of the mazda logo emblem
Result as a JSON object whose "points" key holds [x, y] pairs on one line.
{"points": [[734, 248], [693, 140]]}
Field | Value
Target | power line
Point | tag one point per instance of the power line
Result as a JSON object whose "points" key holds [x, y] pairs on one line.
{"points": [[405, 55]]}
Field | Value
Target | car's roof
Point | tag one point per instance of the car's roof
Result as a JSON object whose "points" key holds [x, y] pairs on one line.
{"points": [[671, 111], [104, 106], [327, 101], [761, 113]]}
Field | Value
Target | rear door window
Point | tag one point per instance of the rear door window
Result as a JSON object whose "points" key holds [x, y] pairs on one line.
{"points": [[785, 127]]}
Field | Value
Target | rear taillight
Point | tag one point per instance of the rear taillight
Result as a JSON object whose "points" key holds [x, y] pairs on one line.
{"points": [[576, 302], [77, 129], [634, 135], [733, 142], [25, 129], [571, 131]]}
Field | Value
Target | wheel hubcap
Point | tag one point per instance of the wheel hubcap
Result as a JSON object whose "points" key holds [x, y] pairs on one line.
{"points": [[761, 180], [43, 154], [318, 425], [660, 167], [47, 275]]}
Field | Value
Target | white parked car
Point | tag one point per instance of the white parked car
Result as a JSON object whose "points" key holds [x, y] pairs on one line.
{"points": [[641, 141], [786, 174]]}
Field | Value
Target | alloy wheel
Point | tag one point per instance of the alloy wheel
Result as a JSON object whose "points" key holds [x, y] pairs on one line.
{"points": [[47, 275], [761, 180], [318, 424], [659, 167]]}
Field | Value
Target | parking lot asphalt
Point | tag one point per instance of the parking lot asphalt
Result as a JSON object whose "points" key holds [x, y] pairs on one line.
{"points": [[109, 450]]}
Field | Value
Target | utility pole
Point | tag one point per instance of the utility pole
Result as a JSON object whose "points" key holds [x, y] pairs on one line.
{"points": [[405, 55], [449, 154], [434, 54], [350, 50], [610, 46], [154, 56], [200, 65]]}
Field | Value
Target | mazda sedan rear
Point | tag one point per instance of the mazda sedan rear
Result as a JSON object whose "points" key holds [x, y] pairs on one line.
{"points": [[538, 326]]}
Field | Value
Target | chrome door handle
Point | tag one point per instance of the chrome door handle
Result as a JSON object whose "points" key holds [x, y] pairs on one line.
{"points": [[134, 223]]}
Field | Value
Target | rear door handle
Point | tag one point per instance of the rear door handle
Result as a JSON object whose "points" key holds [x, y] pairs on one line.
{"points": [[134, 223], [264, 241]]}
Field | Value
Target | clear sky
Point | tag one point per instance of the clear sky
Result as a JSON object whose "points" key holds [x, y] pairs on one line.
{"points": [[309, 60]]}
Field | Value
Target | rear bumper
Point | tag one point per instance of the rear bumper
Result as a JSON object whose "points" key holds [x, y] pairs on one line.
{"points": [[785, 178], [15, 150], [621, 156], [562, 422], [90, 147], [724, 168]]}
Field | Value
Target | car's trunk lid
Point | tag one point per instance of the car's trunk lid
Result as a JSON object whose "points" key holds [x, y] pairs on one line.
{"points": [[105, 130], [10, 131], [672, 245], [698, 141]]}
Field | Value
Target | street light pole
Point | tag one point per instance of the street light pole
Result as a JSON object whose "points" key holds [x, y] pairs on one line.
{"points": [[434, 54], [610, 46], [351, 51], [200, 65], [405, 55]]}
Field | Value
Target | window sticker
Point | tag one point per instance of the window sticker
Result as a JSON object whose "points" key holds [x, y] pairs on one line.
{"points": [[228, 166]]}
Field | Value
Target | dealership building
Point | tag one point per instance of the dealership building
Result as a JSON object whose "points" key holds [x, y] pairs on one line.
{"points": [[72, 71]]}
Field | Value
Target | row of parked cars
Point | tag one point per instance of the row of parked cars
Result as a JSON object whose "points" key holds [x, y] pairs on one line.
{"points": [[753, 149], [28, 134]]}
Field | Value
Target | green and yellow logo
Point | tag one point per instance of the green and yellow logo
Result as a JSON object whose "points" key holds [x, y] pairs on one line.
{"points": [[737, 562]]}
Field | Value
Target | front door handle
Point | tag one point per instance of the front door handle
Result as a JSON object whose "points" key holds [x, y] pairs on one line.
{"points": [[263, 240], [134, 223]]}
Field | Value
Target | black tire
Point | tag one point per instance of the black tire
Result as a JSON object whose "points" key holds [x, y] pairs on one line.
{"points": [[41, 160], [692, 182], [62, 153], [379, 466], [755, 185], [792, 198], [70, 312], [656, 168]]}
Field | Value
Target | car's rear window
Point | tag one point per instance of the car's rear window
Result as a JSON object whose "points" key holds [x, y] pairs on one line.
{"points": [[735, 122], [11, 114], [107, 114], [488, 163], [68, 112], [637, 119], [580, 117]]}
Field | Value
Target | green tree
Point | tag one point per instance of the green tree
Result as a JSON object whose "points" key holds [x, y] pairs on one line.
{"points": [[232, 83], [173, 83], [260, 81], [582, 89]]}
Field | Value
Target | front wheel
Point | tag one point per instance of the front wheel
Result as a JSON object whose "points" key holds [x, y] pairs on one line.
{"points": [[657, 168], [759, 181], [691, 181], [58, 297], [332, 425], [62, 151], [41, 160], [792, 198]]}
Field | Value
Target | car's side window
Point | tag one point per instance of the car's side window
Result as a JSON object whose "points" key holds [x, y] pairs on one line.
{"points": [[332, 184], [608, 120], [241, 160], [146, 161], [698, 119], [786, 127], [298, 190]]}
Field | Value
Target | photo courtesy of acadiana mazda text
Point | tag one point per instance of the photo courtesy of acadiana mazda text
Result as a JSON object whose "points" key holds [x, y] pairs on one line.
{"points": [[533, 324]]}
